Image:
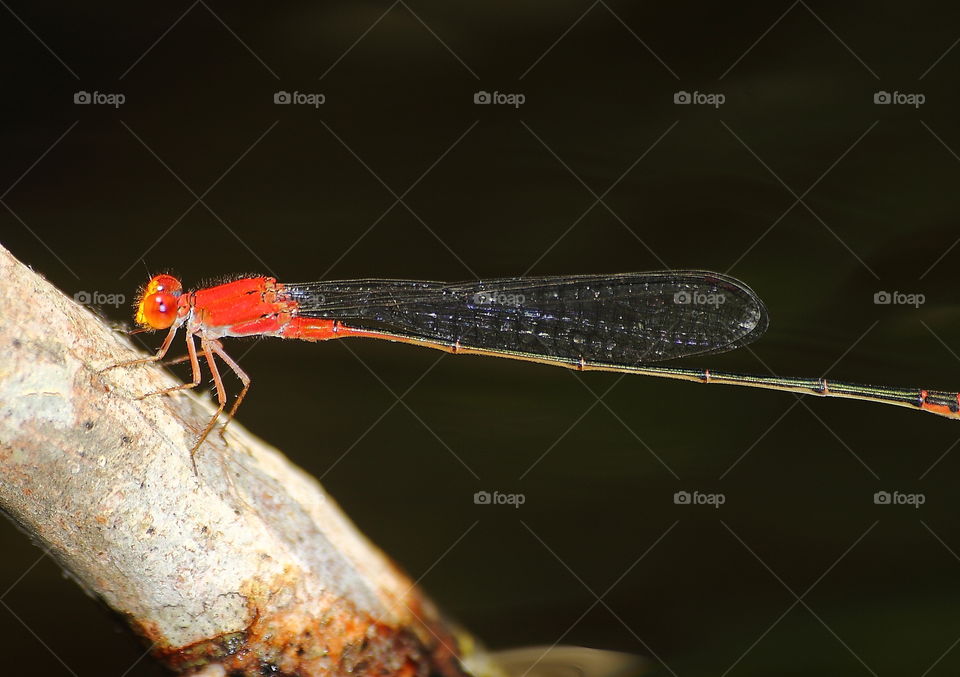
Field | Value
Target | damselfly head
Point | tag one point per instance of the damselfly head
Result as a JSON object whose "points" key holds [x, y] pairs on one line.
{"points": [[158, 304]]}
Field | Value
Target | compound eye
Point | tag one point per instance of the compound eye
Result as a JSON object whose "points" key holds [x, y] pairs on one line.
{"points": [[159, 304], [159, 310]]}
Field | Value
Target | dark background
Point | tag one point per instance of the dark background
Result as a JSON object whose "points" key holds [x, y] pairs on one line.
{"points": [[98, 197]]}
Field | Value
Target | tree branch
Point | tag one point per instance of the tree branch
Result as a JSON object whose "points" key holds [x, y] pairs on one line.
{"points": [[244, 568]]}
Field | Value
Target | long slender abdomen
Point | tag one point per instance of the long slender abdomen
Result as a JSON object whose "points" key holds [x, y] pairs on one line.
{"points": [[322, 329], [311, 329]]}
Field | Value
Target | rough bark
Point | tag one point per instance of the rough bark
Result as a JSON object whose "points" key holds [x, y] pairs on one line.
{"points": [[246, 568]]}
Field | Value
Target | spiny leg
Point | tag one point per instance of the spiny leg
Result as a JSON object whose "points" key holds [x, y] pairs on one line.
{"points": [[176, 360], [221, 398], [167, 342], [196, 373], [154, 358], [217, 348], [194, 366]]}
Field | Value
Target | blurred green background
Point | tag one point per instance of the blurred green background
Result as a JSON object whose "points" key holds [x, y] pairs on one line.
{"points": [[97, 197]]}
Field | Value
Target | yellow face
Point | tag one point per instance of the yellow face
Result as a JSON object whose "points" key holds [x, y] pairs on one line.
{"points": [[159, 302]]}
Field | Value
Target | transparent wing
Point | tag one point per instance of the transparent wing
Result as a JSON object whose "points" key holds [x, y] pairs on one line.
{"points": [[625, 319]]}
